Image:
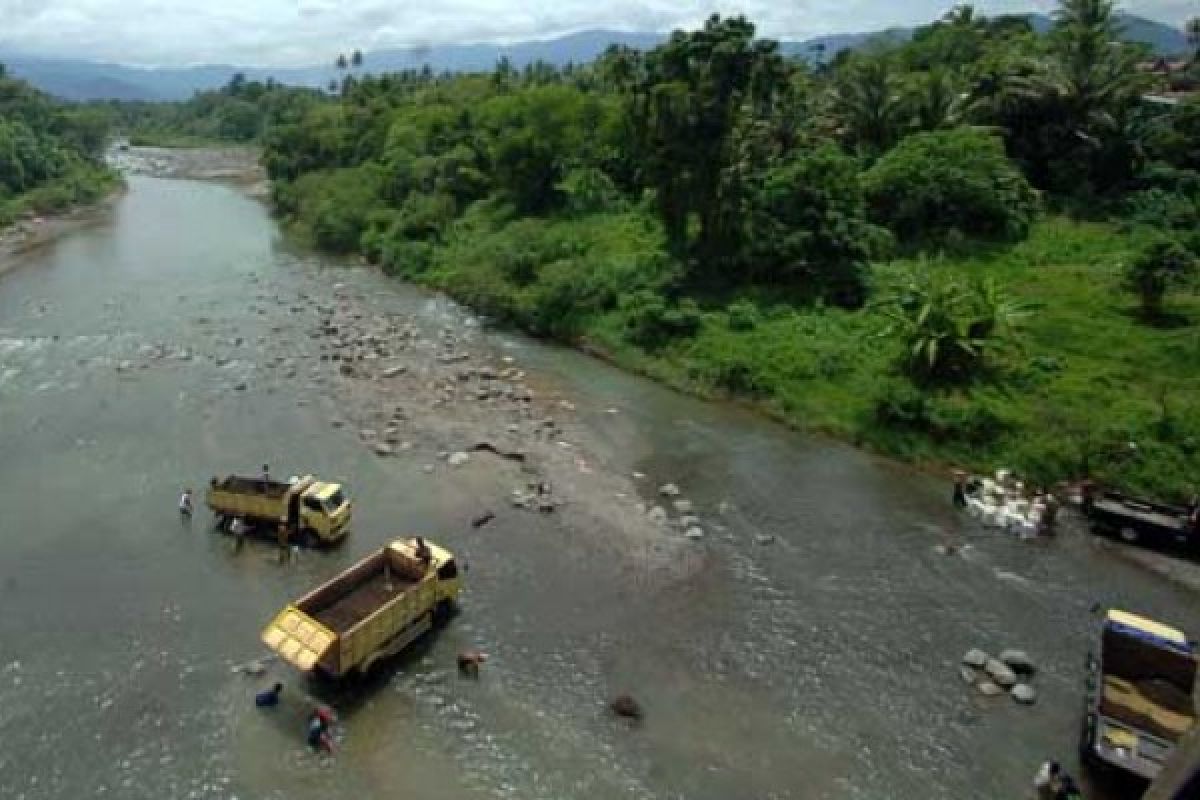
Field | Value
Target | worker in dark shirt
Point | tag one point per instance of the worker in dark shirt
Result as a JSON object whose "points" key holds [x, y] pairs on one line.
{"points": [[268, 698]]}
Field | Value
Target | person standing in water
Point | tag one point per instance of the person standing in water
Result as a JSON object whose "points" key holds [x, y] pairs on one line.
{"points": [[960, 489], [185, 503]]}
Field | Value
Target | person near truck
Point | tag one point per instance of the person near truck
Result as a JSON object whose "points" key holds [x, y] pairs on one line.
{"points": [[268, 698], [1047, 781], [185, 503], [319, 723], [266, 476], [424, 554]]}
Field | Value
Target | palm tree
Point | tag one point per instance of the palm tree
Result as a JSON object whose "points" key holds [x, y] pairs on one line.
{"points": [[937, 100], [869, 106], [356, 59], [341, 62], [1193, 33]]}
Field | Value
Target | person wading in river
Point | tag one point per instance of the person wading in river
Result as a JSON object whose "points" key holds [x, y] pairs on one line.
{"points": [[185, 503], [960, 489]]}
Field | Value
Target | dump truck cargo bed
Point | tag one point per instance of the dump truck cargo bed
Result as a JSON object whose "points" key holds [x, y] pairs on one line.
{"points": [[370, 610]]}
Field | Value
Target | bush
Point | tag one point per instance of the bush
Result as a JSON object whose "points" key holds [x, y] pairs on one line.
{"points": [[650, 322], [743, 316], [1162, 209], [1162, 264], [808, 227], [935, 183]]}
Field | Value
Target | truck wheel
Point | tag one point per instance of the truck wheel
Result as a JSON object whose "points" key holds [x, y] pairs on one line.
{"points": [[309, 538], [1129, 534]]}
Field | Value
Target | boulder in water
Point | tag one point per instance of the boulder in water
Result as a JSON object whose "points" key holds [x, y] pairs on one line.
{"points": [[1018, 661], [989, 689], [975, 658], [1000, 672], [1024, 693], [968, 675], [668, 490], [623, 705]]}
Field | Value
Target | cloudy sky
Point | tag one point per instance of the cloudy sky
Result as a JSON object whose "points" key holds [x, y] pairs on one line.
{"points": [[293, 32]]}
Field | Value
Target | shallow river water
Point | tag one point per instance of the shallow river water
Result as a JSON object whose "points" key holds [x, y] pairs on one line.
{"points": [[820, 665]]}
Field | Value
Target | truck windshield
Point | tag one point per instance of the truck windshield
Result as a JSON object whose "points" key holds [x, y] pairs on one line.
{"points": [[335, 501]]}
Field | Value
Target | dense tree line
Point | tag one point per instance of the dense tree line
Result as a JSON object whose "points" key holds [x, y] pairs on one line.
{"points": [[49, 153]]}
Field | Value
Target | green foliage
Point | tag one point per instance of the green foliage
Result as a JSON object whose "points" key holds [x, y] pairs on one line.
{"points": [[959, 181], [808, 228], [334, 207], [49, 154], [1162, 264], [947, 327], [651, 320]]}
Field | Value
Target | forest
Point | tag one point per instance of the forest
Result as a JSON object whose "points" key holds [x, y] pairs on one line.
{"points": [[977, 247], [51, 155]]}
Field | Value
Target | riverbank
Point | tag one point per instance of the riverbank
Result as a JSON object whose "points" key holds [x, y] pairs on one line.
{"points": [[21, 238], [1090, 378]]}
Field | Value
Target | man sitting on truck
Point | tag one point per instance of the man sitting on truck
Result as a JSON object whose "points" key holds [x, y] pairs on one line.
{"points": [[424, 554]]}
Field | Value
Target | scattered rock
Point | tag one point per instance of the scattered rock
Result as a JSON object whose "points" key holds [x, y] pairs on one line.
{"points": [[384, 449], [668, 490], [392, 372], [683, 506], [989, 689], [1018, 661], [240, 386], [689, 522], [975, 658], [694, 533], [457, 459], [1024, 693], [623, 705], [968, 675], [1000, 672], [658, 514], [764, 538], [488, 447]]}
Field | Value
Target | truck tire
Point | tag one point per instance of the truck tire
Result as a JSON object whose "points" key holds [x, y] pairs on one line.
{"points": [[1129, 534], [309, 538]]}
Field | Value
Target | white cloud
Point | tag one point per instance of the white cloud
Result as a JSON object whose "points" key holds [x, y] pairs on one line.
{"points": [[288, 32]]}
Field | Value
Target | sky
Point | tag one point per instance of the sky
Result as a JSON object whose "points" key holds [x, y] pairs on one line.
{"points": [[302, 32]]}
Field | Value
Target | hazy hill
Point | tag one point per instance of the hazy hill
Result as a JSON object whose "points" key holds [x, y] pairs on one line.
{"points": [[87, 80]]}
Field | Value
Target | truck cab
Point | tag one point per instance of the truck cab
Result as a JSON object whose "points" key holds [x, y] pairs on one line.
{"points": [[324, 510], [1140, 694]]}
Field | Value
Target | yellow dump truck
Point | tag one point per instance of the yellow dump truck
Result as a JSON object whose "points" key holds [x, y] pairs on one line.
{"points": [[309, 510], [371, 611], [1140, 694]]}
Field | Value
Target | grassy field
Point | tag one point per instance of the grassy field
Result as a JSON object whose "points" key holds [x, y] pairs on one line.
{"points": [[1093, 389]]}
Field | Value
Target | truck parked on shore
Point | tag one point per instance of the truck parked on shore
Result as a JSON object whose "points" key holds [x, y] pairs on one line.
{"points": [[1141, 521], [370, 611], [305, 509], [1140, 695]]}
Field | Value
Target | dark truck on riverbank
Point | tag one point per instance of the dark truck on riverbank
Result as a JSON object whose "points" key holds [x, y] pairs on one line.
{"points": [[1140, 698], [1141, 521]]}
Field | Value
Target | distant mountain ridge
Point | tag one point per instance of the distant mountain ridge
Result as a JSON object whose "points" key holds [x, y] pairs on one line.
{"points": [[79, 80]]}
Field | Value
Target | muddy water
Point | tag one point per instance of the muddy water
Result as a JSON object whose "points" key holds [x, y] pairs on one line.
{"points": [[144, 353]]}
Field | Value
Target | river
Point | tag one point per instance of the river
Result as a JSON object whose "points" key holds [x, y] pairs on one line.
{"points": [[819, 664]]}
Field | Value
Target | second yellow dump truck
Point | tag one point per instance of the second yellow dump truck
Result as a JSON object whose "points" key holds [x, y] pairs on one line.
{"points": [[370, 611], [309, 510]]}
